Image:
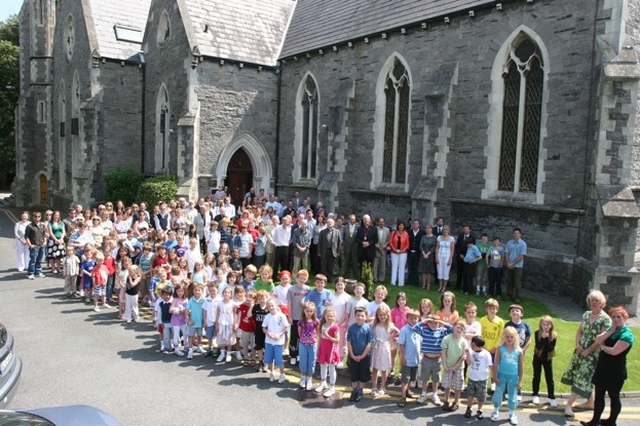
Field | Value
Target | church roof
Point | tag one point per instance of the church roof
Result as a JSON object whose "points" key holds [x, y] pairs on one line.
{"points": [[318, 24], [119, 26], [244, 31]]}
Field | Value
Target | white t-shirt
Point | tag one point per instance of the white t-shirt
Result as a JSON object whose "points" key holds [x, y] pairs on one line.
{"points": [[340, 304], [353, 305], [479, 365], [281, 294], [211, 309], [372, 307], [275, 324], [473, 329]]}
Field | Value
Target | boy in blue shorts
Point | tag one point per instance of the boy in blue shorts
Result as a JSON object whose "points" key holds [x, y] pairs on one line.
{"points": [[409, 343], [359, 342], [211, 311], [274, 326], [194, 313], [433, 332]]}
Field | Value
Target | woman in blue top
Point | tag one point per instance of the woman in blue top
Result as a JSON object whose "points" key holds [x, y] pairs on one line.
{"points": [[611, 369]]}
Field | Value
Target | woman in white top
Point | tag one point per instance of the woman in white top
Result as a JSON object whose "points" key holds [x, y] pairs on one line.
{"points": [[22, 249], [444, 251]]}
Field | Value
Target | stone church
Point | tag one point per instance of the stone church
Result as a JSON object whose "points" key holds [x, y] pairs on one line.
{"points": [[494, 113]]}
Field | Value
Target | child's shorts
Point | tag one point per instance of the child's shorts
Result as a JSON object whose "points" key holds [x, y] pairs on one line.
{"points": [[409, 374], [87, 283], [258, 339], [360, 371], [99, 291], [194, 331], [477, 388], [482, 274], [246, 339], [453, 380], [273, 353], [210, 331], [430, 369]]}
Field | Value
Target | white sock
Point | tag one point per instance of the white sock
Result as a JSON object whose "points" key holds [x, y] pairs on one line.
{"points": [[332, 374], [323, 372]]}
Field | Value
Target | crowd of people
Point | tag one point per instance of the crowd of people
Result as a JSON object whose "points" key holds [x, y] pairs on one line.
{"points": [[207, 268]]}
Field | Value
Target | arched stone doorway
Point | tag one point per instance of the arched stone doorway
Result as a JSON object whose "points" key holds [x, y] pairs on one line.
{"points": [[255, 159], [239, 175]]}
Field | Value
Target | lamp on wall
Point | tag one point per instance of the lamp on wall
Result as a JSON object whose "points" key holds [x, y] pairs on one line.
{"points": [[499, 6], [446, 20], [471, 14]]}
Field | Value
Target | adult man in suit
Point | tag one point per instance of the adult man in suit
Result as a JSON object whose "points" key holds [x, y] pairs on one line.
{"points": [[380, 261], [328, 248], [461, 251], [366, 238], [350, 253], [437, 228], [415, 236]]}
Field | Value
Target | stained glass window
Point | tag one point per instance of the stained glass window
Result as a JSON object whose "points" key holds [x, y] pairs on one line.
{"points": [[396, 124], [521, 113], [309, 130]]}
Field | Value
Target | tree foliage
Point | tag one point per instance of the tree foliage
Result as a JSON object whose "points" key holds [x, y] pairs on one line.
{"points": [[122, 184], [9, 94]]}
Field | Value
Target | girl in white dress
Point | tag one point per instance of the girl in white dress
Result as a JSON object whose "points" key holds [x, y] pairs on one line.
{"points": [[383, 332], [225, 325]]}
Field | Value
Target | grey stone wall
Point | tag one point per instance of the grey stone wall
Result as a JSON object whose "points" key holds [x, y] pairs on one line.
{"points": [[166, 64]]}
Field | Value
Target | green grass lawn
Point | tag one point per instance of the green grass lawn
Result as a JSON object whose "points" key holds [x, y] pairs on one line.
{"points": [[533, 311]]}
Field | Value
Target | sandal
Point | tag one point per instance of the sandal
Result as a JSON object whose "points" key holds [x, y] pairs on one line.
{"points": [[402, 403]]}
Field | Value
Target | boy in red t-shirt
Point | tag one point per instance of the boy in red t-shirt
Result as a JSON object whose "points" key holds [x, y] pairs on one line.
{"points": [[246, 324], [100, 275]]}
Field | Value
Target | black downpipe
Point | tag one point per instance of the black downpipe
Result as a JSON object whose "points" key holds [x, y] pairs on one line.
{"points": [[142, 124], [278, 115]]}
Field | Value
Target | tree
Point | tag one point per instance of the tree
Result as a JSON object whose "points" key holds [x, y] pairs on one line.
{"points": [[9, 94]]}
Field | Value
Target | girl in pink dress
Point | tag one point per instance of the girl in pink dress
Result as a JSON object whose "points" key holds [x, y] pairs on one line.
{"points": [[399, 319], [328, 356]]}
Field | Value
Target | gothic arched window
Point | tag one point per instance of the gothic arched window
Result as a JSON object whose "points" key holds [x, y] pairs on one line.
{"points": [[523, 80], [397, 91]]}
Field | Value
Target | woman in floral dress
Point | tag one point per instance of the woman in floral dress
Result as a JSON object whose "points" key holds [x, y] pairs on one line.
{"points": [[583, 361]]}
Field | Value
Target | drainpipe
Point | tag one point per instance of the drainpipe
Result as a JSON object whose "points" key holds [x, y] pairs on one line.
{"points": [[278, 115], [142, 116]]}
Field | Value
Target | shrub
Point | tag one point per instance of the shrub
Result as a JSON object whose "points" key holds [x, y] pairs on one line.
{"points": [[122, 184], [156, 189]]}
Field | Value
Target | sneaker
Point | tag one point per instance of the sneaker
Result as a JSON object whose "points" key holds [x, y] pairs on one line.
{"points": [[220, 357], [40, 275], [436, 400], [352, 397], [340, 366], [330, 392], [87, 300], [106, 305], [281, 378], [553, 403], [397, 382], [494, 416], [190, 353], [293, 360], [272, 377], [238, 355], [513, 419], [96, 309], [31, 277], [536, 400], [477, 292], [200, 349], [309, 386], [178, 352], [374, 392], [228, 357], [468, 413], [303, 383], [129, 321], [519, 398], [382, 392], [479, 415], [412, 385], [81, 292], [208, 353], [568, 412], [422, 398], [321, 387], [358, 395]]}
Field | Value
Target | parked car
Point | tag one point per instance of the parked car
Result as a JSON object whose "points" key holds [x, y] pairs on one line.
{"points": [[72, 415], [10, 367]]}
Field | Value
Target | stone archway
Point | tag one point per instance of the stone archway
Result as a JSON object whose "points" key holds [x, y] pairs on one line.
{"points": [[257, 155]]}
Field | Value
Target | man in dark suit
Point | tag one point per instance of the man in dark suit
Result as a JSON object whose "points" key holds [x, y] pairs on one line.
{"points": [[366, 238], [437, 228], [415, 236], [328, 248], [350, 254], [461, 251]]}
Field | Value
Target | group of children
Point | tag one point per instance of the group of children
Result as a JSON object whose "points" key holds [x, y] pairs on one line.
{"points": [[262, 323]]}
